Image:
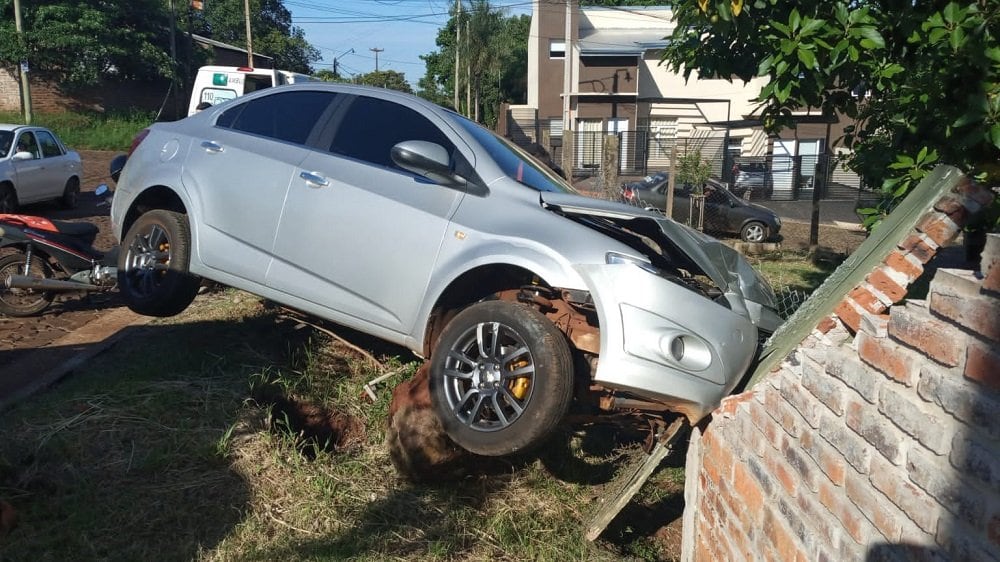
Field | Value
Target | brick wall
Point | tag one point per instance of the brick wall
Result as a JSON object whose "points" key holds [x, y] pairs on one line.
{"points": [[48, 97], [879, 437]]}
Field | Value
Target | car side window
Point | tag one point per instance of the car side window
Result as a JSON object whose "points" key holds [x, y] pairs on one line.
{"points": [[26, 143], [49, 145], [372, 126], [288, 116]]}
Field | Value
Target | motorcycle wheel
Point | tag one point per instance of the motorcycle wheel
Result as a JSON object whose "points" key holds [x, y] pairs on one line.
{"points": [[501, 378], [153, 264], [23, 302]]}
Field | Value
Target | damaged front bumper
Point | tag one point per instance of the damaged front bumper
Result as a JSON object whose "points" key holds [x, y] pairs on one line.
{"points": [[664, 343]]}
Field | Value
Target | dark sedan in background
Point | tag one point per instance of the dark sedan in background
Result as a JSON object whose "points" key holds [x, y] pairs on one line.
{"points": [[724, 212]]}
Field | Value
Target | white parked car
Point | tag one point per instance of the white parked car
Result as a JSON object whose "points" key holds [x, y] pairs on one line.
{"points": [[36, 166]]}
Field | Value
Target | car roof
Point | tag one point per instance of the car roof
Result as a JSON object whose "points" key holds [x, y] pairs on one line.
{"points": [[14, 127]]}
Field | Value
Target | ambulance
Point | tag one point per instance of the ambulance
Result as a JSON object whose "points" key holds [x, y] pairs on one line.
{"points": [[218, 84]]}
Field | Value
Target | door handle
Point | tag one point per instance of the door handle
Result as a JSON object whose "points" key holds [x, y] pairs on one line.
{"points": [[314, 180], [211, 147]]}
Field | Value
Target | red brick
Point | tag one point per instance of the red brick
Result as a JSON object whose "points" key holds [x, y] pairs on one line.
{"points": [[782, 413], [784, 544], [866, 421], [886, 285], [730, 403], [826, 324], [992, 280], [949, 204], [899, 262], [980, 314], [866, 300], [766, 424], [973, 191], [781, 472], [983, 366], [886, 518], [918, 246], [701, 550], [747, 490], [888, 358], [938, 227], [915, 503], [717, 459], [845, 511], [828, 459], [849, 313], [915, 327]]}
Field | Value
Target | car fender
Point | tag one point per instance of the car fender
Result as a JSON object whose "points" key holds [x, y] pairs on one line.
{"points": [[520, 253]]}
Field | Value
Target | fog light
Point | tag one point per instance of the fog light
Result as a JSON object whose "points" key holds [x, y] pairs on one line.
{"points": [[686, 350], [677, 348]]}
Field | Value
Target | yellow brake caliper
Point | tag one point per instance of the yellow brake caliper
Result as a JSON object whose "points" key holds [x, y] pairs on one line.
{"points": [[519, 386]]}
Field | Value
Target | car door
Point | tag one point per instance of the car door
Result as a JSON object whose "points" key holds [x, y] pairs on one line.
{"points": [[360, 235], [57, 168], [240, 171], [30, 180]]}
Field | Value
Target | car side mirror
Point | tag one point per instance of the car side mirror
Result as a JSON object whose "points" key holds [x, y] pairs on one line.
{"points": [[427, 159], [23, 155]]}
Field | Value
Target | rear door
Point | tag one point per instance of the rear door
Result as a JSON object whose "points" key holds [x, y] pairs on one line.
{"points": [[57, 166], [240, 171], [360, 235], [31, 179]]}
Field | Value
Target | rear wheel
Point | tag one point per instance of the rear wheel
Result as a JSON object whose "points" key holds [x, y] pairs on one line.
{"points": [[501, 378], [754, 232], [153, 264], [8, 199], [23, 302], [71, 194]]}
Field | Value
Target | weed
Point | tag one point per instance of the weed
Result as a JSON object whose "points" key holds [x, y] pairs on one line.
{"points": [[90, 130]]}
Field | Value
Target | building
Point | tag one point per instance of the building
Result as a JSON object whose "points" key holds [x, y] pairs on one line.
{"points": [[618, 86]]}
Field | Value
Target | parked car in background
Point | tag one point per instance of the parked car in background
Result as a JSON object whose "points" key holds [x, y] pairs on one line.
{"points": [[724, 212], [394, 216], [751, 180], [36, 166]]}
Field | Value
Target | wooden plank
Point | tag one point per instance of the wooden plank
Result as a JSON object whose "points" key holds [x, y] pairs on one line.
{"points": [[867, 257], [644, 469]]}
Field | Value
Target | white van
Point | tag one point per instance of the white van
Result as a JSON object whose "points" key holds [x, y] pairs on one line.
{"points": [[217, 84]]}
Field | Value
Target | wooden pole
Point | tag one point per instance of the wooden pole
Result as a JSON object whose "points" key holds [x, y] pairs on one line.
{"points": [[246, 13], [25, 85]]}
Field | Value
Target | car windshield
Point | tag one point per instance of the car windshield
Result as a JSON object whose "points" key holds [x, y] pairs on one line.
{"points": [[6, 138], [515, 162]]}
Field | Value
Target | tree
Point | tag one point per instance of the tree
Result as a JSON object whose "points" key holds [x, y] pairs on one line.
{"points": [[390, 79], [82, 41], [494, 49], [919, 77], [272, 32]]}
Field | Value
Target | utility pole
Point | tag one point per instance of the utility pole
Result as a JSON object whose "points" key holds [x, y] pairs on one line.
{"points": [[468, 78], [458, 47], [25, 86], [246, 13], [376, 50], [337, 58]]}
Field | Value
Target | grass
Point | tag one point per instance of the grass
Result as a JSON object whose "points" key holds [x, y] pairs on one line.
{"points": [[158, 450], [89, 130]]}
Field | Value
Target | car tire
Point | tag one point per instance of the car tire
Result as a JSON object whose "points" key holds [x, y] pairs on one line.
{"points": [[23, 302], [8, 199], [71, 194], [501, 378], [153, 264], [754, 231]]}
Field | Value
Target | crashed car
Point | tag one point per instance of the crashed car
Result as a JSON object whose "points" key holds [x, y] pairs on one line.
{"points": [[388, 214]]}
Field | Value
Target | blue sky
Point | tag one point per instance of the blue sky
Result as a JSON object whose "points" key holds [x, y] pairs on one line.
{"points": [[406, 29]]}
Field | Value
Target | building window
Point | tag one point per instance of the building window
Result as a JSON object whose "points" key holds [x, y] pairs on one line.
{"points": [[557, 49], [662, 134]]}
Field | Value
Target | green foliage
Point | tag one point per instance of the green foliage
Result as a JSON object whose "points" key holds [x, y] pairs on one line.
{"points": [[82, 41], [918, 78], [272, 32], [692, 169], [390, 79], [494, 47]]}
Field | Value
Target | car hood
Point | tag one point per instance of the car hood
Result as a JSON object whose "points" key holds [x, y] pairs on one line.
{"points": [[726, 267]]}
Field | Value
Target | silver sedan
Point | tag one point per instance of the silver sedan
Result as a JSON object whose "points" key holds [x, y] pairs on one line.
{"points": [[36, 166], [383, 212]]}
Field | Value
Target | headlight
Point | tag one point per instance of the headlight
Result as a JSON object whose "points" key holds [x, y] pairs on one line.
{"points": [[614, 258]]}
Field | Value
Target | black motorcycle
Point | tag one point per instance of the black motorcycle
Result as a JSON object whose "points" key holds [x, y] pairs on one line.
{"points": [[51, 256]]}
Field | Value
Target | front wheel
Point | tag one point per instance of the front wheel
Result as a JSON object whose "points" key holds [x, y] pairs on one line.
{"points": [[501, 378], [754, 232], [23, 302], [153, 264]]}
